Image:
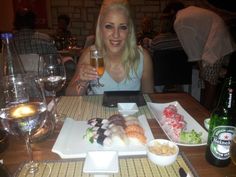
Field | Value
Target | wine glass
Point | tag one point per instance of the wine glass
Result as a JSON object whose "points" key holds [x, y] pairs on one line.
{"points": [[232, 150], [24, 113], [52, 75], [49, 123], [96, 60]]}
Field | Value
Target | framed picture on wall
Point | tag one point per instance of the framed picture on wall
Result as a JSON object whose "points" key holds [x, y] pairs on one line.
{"points": [[40, 7]]}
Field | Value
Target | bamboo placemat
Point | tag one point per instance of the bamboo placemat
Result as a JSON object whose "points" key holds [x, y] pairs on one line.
{"points": [[87, 107], [128, 167]]}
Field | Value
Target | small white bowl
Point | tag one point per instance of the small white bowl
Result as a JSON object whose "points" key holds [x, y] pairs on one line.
{"points": [[101, 162], [207, 123], [162, 159], [127, 109]]}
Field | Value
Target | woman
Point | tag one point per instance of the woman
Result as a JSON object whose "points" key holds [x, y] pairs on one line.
{"points": [[127, 66]]}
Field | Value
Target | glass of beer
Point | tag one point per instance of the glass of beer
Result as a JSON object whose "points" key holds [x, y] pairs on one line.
{"points": [[233, 148], [96, 60]]}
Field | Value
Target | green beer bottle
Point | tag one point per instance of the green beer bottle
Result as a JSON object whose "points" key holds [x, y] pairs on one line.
{"points": [[222, 127]]}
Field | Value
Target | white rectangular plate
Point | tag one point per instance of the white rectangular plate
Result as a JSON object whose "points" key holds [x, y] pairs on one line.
{"points": [[157, 109], [71, 144]]}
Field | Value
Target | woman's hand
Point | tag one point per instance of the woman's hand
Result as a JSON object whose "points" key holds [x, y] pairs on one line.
{"points": [[86, 73]]}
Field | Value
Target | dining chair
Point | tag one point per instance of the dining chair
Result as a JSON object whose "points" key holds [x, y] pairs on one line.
{"points": [[30, 62], [171, 68]]}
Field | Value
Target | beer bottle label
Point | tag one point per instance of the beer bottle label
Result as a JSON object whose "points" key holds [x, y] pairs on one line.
{"points": [[221, 138]]}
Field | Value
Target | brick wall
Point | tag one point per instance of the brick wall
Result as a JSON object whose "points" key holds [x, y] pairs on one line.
{"points": [[83, 13]]}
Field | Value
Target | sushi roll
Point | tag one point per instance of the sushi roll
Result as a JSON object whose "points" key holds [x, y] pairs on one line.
{"points": [[170, 111], [103, 140], [97, 122], [101, 131]]}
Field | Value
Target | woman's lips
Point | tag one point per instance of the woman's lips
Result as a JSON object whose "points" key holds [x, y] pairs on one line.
{"points": [[115, 43]]}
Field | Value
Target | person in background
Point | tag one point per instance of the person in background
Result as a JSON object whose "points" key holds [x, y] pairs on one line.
{"points": [[231, 71], [127, 66], [63, 22], [27, 40], [166, 38], [205, 38], [62, 36], [147, 33]]}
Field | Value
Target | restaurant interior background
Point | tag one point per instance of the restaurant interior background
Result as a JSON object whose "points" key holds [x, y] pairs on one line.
{"points": [[83, 14]]}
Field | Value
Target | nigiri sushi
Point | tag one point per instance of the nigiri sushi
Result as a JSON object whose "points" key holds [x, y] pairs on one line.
{"points": [[115, 117], [117, 123], [128, 118], [134, 128], [117, 129], [136, 138], [119, 139]]}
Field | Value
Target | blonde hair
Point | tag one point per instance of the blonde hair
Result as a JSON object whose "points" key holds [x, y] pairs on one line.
{"points": [[130, 56]]}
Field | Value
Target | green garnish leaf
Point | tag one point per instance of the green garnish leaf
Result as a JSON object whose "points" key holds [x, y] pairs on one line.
{"points": [[190, 137], [91, 140], [89, 135]]}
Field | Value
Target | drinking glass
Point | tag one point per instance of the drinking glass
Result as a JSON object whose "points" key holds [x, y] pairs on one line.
{"points": [[96, 60], [24, 113], [52, 74], [232, 150]]}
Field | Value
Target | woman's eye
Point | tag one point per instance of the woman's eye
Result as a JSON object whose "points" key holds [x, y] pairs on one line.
{"points": [[108, 26], [123, 27]]}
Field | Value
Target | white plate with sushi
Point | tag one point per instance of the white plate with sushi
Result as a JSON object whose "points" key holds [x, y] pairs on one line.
{"points": [[190, 124], [70, 142]]}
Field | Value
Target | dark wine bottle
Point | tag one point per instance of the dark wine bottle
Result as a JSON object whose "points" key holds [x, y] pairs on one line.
{"points": [[222, 126]]}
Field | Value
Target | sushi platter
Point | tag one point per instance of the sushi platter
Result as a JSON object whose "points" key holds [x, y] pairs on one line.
{"points": [[185, 123], [71, 141]]}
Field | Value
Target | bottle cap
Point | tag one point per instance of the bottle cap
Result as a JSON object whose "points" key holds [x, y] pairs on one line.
{"points": [[6, 35]]}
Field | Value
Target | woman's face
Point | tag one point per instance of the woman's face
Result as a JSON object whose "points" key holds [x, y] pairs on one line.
{"points": [[114, 29]]}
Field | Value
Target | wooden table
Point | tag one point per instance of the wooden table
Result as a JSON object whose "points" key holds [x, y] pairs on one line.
{"points": [[16, 152]]}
